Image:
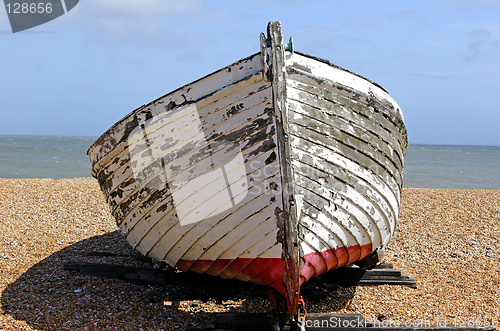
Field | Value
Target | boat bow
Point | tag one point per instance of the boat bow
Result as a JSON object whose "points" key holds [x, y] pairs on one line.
{"points": [[274, 169]]}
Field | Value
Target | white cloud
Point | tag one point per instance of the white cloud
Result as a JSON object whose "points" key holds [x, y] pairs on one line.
{"points": [[144, 22]]}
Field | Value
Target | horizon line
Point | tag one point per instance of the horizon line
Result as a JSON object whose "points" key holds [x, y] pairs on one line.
{"points": [[96, 137]]}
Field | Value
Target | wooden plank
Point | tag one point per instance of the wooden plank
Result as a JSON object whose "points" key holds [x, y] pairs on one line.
{"points": [[319, 157], [344, 83], [254, 172], [166, 245], [385, 266], [366, 197], [183, 144], [356, 113], [342, 206], [355, 276], [192, 144], [222, 100], [348, 134]]}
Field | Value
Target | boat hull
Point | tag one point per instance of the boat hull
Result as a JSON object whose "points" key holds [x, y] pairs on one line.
{"points": [[348, 144], [274, 170]]}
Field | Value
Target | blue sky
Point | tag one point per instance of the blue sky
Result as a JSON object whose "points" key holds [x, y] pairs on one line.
{"points": [[82, 72]]}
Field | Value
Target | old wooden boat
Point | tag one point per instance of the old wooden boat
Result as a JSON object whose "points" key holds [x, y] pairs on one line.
{"points": [[274, 170]]}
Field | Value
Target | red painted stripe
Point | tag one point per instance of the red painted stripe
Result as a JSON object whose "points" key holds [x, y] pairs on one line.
{"points": [[330, 258], [315, 262], [269, 271], [318, 262], [201, 266], [259, 266], [307, 272], [354, 253], [271, 274], [235, 267], [184, 265], [218, 266], [261, 270], [342, 256], [366, 250]]}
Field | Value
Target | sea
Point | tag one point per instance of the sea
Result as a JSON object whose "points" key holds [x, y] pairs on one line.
{"points": [[426, 166]]}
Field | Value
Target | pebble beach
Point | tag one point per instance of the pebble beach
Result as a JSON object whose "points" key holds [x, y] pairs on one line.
{"points": [[448, 240]]}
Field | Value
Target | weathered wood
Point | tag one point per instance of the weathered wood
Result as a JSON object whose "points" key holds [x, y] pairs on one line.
{"points": [[348, 135], [347, 145], [350, 86], [149, 275], [265, 58], [289, 222], [355, 276], [358, 114]]}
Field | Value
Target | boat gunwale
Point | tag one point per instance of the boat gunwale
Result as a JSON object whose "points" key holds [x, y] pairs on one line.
{"points": [[341, 68], [392, 113], [99, 141], [114, 126], [397, 143]]}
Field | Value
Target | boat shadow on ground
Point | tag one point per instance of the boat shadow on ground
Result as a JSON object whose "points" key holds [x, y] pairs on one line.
{"points": [[47, 297]]}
